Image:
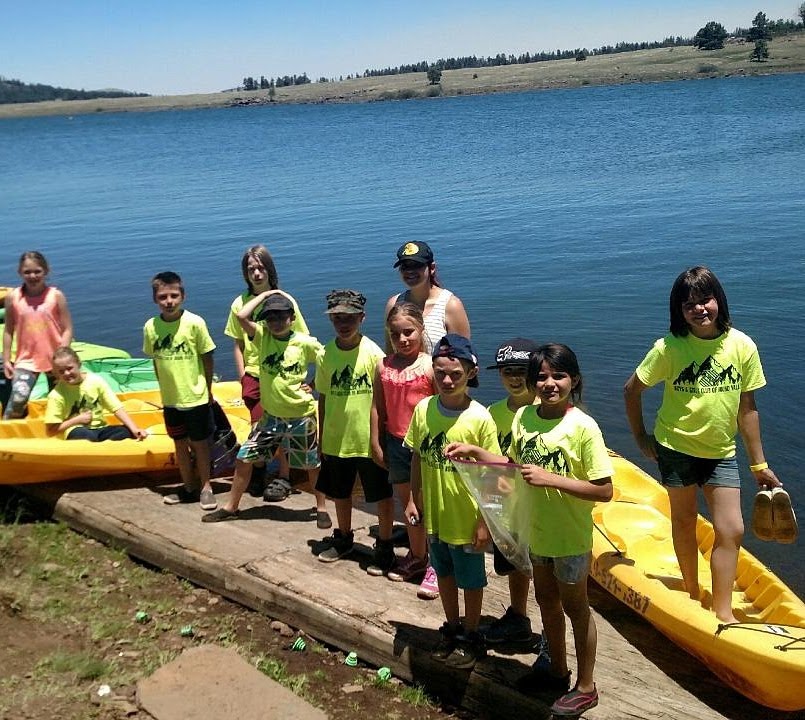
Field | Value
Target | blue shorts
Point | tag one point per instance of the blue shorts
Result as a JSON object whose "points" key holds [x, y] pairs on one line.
{"points": [[466, 566], [570, 570], [297, 436], [398, 460], [678, 470]]}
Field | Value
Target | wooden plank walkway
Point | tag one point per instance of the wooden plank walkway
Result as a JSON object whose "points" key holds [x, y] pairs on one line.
{"points": [[266, 561]]}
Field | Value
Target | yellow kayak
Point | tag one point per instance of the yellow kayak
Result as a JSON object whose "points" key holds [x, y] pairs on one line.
{"points": [[27, 455], [762, 656]]}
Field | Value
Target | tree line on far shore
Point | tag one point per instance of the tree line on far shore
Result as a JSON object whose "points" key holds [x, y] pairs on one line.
{"points": [[16, 91], [710, 37]]}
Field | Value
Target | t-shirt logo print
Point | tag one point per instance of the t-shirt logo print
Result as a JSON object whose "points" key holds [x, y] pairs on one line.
{"points": [[431, 450], [505, 441], [535, 452], [165, 347], [709, 377], [274, 366], [347, 382]]}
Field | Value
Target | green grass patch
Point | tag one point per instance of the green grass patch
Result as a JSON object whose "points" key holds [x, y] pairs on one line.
{"points": [[82, 665]]}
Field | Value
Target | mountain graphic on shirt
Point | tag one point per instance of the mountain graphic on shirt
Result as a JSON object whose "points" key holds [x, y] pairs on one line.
{"points": [[709, 374], [505, 442], [431, 450], [80, 405], [535, 452], [165, 347], [346, 382]]}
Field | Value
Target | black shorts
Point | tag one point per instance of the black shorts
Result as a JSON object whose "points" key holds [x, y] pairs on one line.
{"points": [[337, 478], [193, 423], [501, 564]]}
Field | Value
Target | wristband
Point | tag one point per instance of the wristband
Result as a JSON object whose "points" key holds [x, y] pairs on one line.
{"points": [[759, 467]]}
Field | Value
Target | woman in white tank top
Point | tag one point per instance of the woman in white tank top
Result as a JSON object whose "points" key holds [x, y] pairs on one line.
{"points": [[443, 311]]}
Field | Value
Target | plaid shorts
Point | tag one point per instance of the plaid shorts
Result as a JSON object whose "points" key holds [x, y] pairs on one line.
{"points": [[297, 436]]}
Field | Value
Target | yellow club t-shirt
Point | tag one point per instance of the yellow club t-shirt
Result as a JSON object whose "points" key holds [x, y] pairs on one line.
{"points": [[503, 417], [345, 378], [284, 367], [450, 512], [92, 393], [703, 380], [571, 446], [233, 329], [177, 348]]}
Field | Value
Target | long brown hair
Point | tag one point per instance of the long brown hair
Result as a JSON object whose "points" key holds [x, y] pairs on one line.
{"points": [[260, 252], [698, 282]]}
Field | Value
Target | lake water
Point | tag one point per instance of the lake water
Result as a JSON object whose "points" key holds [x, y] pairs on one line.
{"points": [[561, 215]]}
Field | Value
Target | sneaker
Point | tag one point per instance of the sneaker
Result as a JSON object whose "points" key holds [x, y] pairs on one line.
{"points": [[510, 628], [448, 639], [468, 650], [340, 545], [277, 490], [219, 515], [323, 520], [575, 703], [409, 568], [207, 500], [429, 587], [384, 558], [181, 496]]}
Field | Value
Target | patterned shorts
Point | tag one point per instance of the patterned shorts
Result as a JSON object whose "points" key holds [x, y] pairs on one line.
{"points": [[297, 436]]}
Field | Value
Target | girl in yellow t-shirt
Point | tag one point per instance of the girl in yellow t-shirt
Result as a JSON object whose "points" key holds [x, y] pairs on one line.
{"points": [[566, 467], [76, 405], [710, 371]]}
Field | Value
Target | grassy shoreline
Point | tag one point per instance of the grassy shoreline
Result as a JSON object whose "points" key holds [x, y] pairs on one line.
{"points": [[658, 65]]}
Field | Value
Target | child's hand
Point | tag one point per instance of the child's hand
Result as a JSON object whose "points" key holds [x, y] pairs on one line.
{"points": [[140, 434], [307, 388], [480, 538], [378, 457], [412, 514], [84, 418], [536, 476], [766, 478], [458, 451], [8, 369], [648, 446]]}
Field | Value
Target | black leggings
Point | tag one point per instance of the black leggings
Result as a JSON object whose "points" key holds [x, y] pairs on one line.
{"points": [[109, 432]]}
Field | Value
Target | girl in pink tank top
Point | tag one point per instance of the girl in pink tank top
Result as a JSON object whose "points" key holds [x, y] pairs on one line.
{"points": [[38, 317], [403, 379]]}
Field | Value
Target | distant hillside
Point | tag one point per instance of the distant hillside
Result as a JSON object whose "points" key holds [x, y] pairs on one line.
{"points": [[16, 91]]}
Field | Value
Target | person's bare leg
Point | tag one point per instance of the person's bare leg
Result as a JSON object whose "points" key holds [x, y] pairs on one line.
{"points": [[683, 531], [725, 509]]}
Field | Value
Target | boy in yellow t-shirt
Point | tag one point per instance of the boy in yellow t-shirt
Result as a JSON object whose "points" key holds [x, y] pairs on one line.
{"points": [[345, 374], [456, 532], [289, 409], [182, 348], [511, 362]]}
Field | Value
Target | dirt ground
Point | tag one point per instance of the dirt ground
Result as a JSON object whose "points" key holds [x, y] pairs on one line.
{"points": [[69, 622]]}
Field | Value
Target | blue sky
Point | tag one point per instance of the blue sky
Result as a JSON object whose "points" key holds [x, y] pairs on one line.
{"points": [[178, 46]]}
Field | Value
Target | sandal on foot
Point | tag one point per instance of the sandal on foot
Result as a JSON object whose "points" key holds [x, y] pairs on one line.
{"points": [[220, 515], [277, 490]]}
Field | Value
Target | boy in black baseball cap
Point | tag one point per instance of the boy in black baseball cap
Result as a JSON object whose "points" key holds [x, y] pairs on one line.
{"points": [[511, 362]]}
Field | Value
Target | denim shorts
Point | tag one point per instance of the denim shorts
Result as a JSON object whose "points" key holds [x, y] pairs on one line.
{"points": [[398, 460], [297, 436], [571, 569], [678, 470], [466, 565]]}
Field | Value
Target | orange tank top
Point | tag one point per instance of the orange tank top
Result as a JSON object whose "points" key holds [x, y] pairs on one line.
{"points": [[402, 390], [37, 328]]}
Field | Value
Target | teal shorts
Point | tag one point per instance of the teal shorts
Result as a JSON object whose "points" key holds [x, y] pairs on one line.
{"points": [[462, 562]]}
